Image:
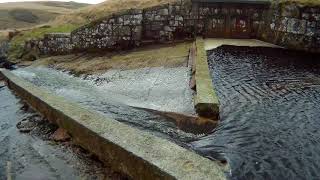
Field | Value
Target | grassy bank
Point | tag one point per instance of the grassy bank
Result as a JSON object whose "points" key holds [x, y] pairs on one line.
{"points": [[95, 12], [152, 56]]}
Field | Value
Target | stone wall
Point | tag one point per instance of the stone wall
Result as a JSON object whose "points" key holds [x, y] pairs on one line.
{"points": [[132, 28], [57, 43], [53, 43], [118, 31], [292, 25], [124, 30]]}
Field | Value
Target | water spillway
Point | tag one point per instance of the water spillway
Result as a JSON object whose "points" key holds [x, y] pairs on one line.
{"points": [[118, 93], [269, 113]]}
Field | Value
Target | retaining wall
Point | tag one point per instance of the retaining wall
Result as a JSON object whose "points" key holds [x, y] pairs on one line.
{"points": [[160, 24], [286, 24], [292, 25]]}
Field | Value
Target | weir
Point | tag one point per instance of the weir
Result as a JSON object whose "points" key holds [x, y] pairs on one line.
{"points": [[134, 152]]}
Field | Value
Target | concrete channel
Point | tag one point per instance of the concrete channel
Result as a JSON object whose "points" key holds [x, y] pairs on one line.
{"points": [[138, 154]]}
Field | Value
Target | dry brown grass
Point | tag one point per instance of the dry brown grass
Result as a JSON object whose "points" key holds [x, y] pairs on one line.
{"points": [[106, 8], [16, 15], [153, 56], [54, 7], [3, 35]]}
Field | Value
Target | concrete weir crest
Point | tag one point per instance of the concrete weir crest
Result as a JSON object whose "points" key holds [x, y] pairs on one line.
{"points": [[138, 154]]}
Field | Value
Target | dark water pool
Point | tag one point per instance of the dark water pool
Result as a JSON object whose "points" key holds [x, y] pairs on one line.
{"points": [[270, 113]]}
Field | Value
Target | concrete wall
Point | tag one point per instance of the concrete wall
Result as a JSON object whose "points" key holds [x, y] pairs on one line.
{"points": [[292, 25]]}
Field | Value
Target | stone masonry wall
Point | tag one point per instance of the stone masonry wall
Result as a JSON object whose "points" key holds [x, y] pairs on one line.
{"points": [[293, 26], [53, 43], [290, 25], [124, 30], [119, 31]]}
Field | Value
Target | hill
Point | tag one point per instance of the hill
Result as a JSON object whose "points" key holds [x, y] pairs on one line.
{"points": [[18, 15], [94, 12]]}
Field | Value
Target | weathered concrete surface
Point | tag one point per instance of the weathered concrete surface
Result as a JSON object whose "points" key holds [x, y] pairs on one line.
{"points": [[213, 43], [206, 100], [133, 152]]}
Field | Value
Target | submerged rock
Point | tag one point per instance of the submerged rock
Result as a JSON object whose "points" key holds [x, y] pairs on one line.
{"points": [[60, 135], [25, 126]]}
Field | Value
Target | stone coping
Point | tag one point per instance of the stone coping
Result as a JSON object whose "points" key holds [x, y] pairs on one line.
{"points": [[136, 153], [206, 100]]}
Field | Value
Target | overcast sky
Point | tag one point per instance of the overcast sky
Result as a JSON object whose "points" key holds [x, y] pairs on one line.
{"points": [[83, 1]]}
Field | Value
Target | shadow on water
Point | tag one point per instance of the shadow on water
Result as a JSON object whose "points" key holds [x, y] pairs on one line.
{"points": [[270, 113]]}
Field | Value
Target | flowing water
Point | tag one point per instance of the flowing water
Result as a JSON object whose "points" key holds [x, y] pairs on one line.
{"points": [[270, 107], [270, 113], [29, 157], [165, 89]]}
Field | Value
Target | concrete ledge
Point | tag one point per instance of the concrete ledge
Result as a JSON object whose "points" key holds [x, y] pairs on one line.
{"points": [[206, 100], [213, 43], [138, 154]]}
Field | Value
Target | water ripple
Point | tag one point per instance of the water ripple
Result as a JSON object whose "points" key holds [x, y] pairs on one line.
{"points": [[269, 113]]}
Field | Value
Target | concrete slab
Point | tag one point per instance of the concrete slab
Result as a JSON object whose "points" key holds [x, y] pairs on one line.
{"points": [[136, 153], [206, 100], [212, 43]]}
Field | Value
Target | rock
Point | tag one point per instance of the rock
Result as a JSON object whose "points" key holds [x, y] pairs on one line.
{"points": [[25, 126], [60, 135]]}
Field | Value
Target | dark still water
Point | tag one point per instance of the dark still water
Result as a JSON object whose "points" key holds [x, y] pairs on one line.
{"points": [[270, 113]]}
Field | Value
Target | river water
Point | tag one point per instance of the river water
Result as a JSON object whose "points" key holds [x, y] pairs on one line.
{"points": [[270, 113], [270, 104], [30, 157]]}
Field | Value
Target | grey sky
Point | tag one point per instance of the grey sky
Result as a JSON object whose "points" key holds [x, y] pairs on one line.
{"points": [[83, 1]]}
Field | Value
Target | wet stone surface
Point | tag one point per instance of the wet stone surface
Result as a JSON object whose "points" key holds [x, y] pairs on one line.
{"points": [[27, 151], [269, 113]]}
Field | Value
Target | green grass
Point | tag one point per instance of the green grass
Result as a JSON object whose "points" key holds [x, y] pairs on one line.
{"points": [[17, 43]]}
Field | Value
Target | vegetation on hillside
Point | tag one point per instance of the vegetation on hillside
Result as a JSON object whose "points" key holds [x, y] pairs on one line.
{"points": [[28, 14], [94, 12]]}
